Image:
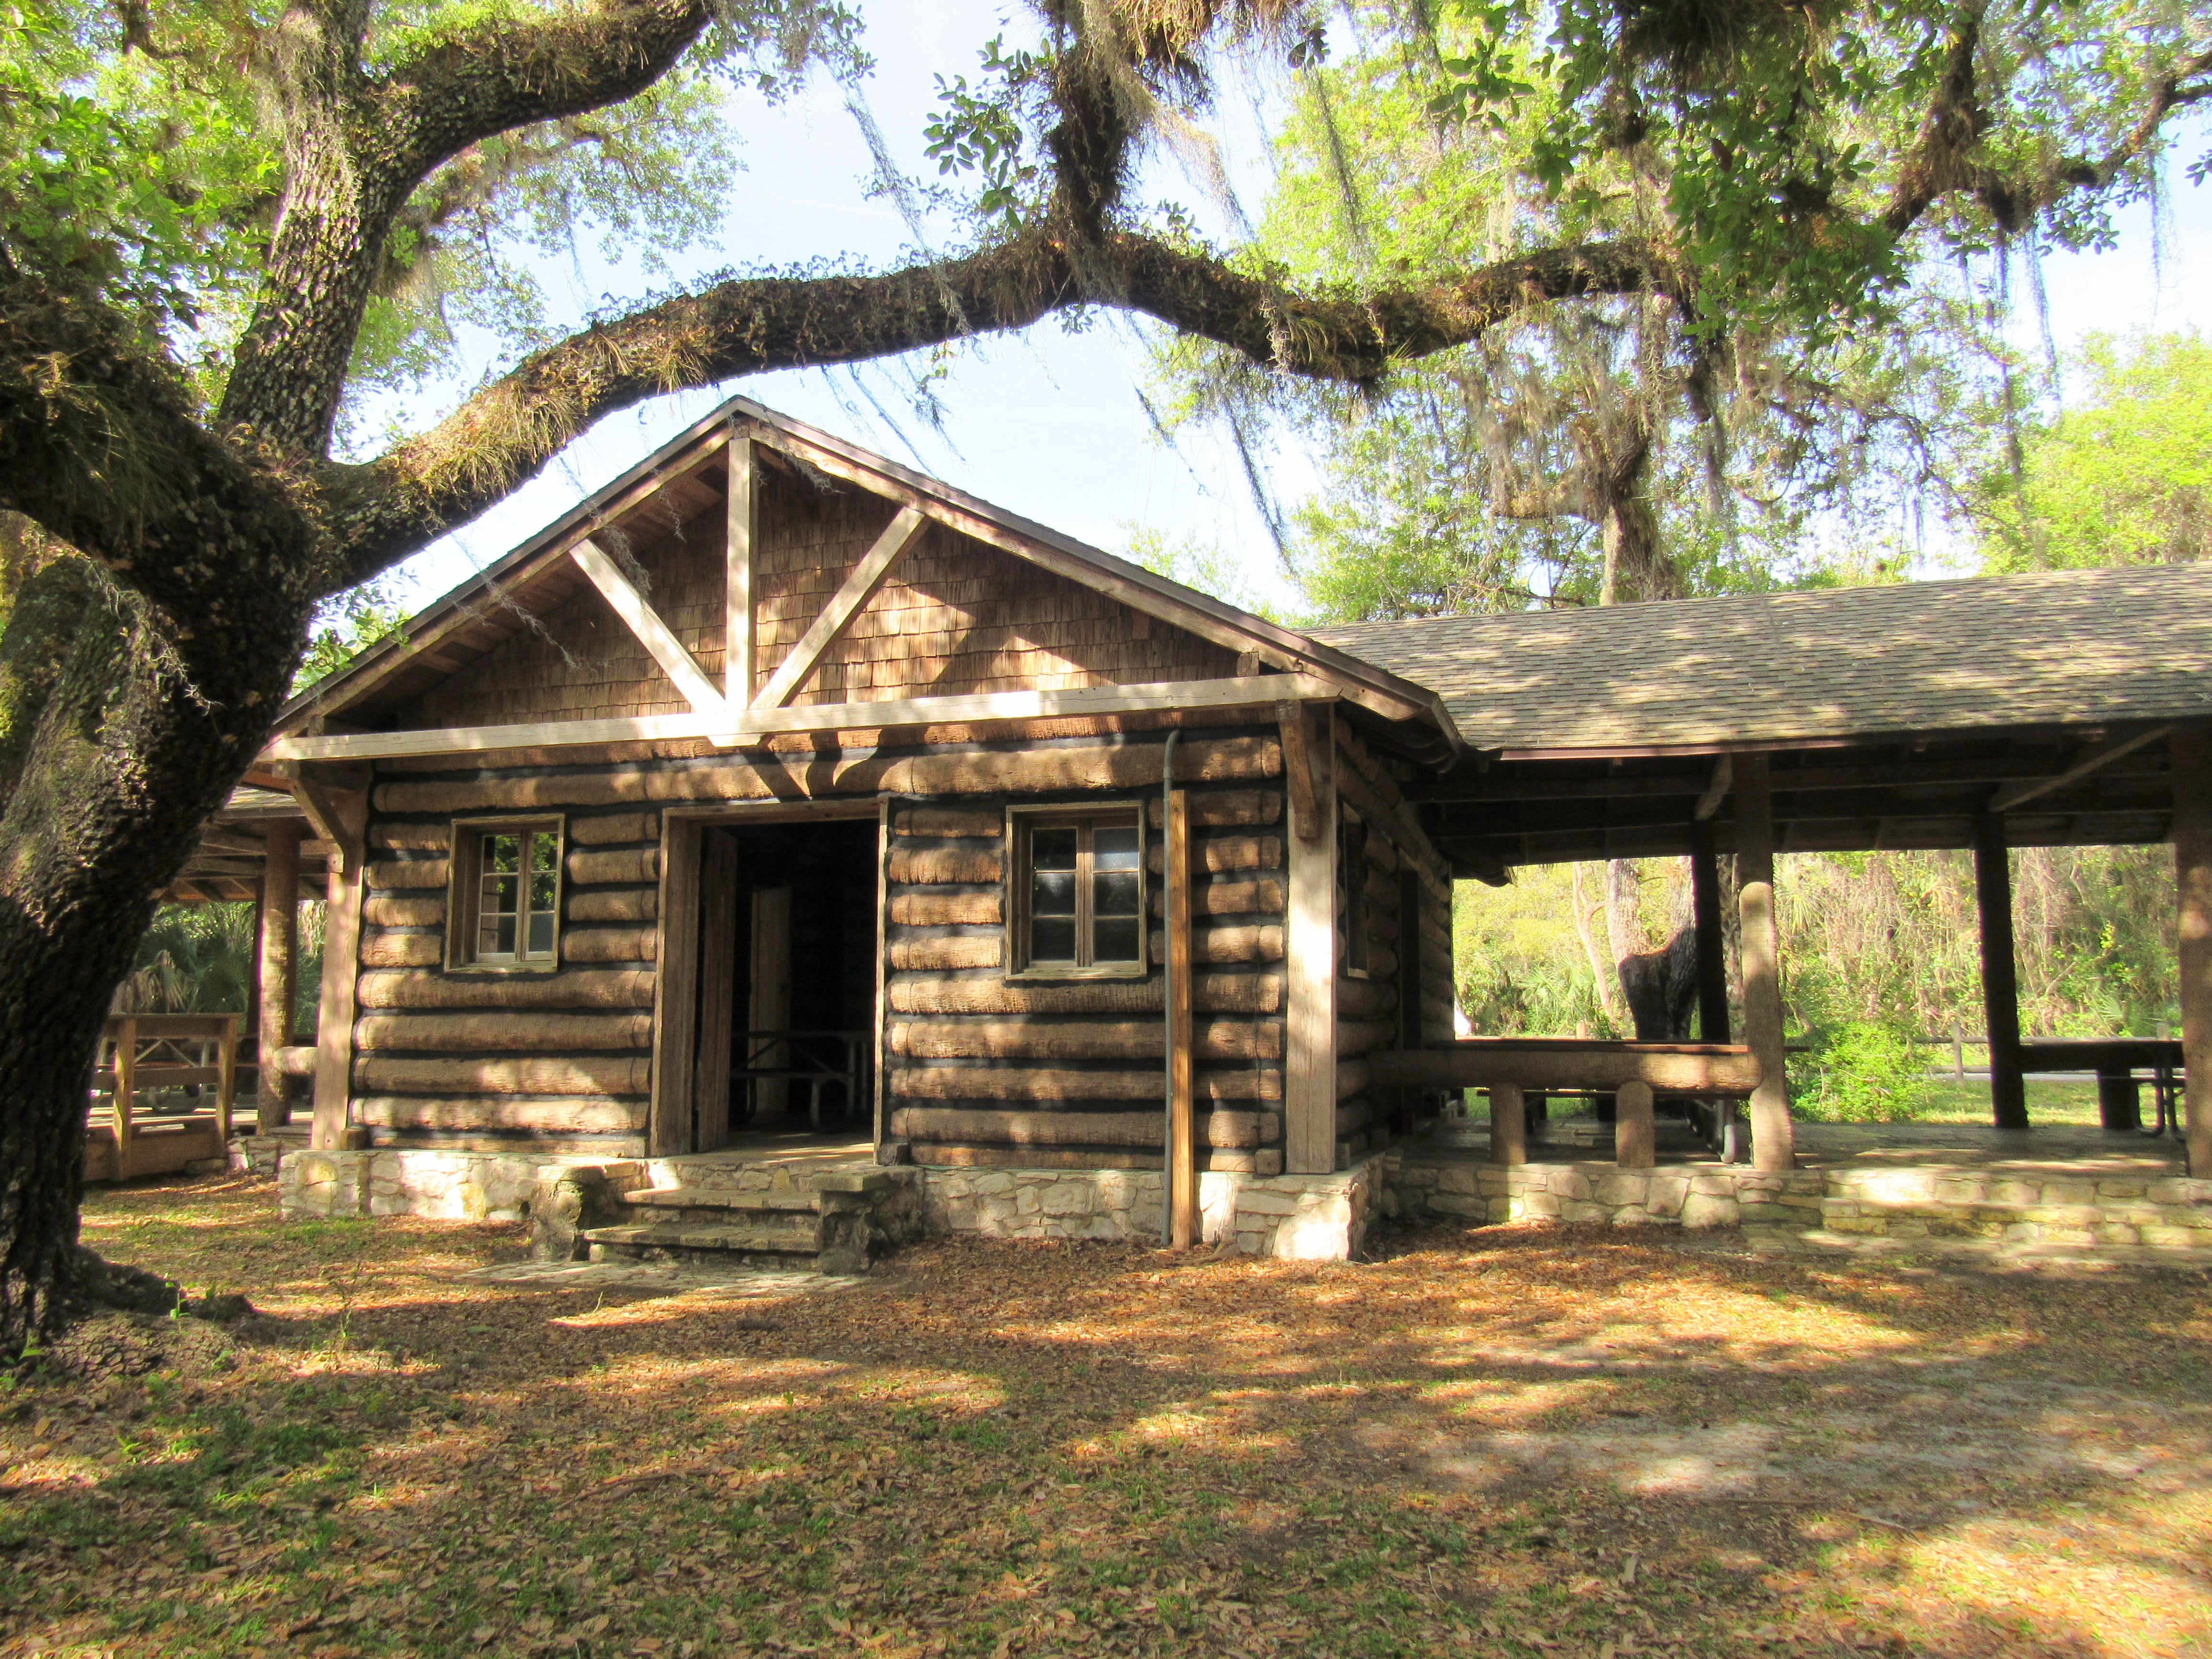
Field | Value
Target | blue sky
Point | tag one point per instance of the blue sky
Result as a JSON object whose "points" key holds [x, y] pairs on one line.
{"points": [[1049, 423]]}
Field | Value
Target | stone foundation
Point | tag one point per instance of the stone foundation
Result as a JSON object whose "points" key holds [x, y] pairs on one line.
{"points": [[1698, 1196]]}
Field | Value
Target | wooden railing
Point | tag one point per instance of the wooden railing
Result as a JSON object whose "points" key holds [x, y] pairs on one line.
{"points": [[139, 1053]]}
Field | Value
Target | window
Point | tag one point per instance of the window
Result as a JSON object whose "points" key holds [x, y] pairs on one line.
{"points": [[1351, 892], [506, 904], [1076, 889]]}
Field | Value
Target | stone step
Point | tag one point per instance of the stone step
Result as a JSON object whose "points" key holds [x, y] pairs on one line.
{"points": [[725, 1198], [723, 1245]]}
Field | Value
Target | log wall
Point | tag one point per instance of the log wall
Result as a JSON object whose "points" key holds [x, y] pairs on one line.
{"points": [[561, 1060], [984, 1070]]}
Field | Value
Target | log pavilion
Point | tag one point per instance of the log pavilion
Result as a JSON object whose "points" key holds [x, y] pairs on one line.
{"points": [[778, 789]]}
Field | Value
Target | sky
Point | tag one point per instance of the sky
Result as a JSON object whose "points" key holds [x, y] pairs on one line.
{"points": [[1050, 422]]}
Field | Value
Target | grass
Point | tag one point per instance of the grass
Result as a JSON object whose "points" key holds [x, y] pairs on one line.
{"points": [[1509, 1441]]}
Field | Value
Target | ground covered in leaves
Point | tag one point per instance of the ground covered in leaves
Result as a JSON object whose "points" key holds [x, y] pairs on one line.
{"points": [[1511, 1441]]}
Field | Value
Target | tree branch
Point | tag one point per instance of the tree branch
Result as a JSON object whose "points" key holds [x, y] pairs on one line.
{"points": [[391, 508]]}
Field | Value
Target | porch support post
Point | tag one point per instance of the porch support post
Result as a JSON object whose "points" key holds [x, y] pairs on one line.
{"points": [[1635, 1137], [1706, 917], [275, 958], [1309, 1080], [1509, 1125], [1999, 979], [2191, 748], [1772, 1138]]}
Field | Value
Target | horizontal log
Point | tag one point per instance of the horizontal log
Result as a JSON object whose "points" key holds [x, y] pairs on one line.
{"points": [[1046, 1039], [535, 1074], [591, 987], [610, 945], [590, 831], [945, 909], [959, 1124], [1088, 767], [532, 1031], [380, 950], [926, 865], [940, 1156], [1353, 1116], [1365, 998], [1230, 898], [938, 955], [410, 910], [1219, 856], [618, 904], [1353, 1076], [971, 821], [296, 1059], [410, 837], [1480, 1063], [1212, 993], [388, 873], [633, 865], [1382, 960], [535, 1144], [544, 1113], [1023, 1083], [1213, 944], [1357, 1036], [1383, 853], [1211, 808]]}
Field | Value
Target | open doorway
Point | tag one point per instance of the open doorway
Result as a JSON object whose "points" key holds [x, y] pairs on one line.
{"points": [[787, 983]]}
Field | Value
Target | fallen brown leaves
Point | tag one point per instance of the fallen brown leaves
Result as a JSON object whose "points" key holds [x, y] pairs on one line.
{"points": [[1505, 1440]]}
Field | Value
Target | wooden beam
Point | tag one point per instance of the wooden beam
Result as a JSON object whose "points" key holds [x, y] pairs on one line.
{"points": [[658, 638], [2096, 760], [719, 939], [2191, 748], [1773, 1140], [1299, 765], [675, 990], [1705, 918], [750, 725], [743, 518], [1310, 1080], [274, 965], [869, 575], [1182, 1130], [2000, 972], [1509, 1125], [1552, 1063], [341, 811], [1717, 790]]}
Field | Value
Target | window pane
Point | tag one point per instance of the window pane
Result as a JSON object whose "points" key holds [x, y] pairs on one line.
{"points": [[1053, 849], [1118, 940], [544, 852], [1116, 847], [502, 854], [541, 933], [1114, 894], [1052, 893], [1052, 938]]}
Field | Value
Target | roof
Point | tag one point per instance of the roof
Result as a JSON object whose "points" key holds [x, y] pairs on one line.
{"points": [[501, 599], [2058, 648]]}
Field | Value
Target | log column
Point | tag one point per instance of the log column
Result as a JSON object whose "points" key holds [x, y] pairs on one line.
{"points": [[1706, 917], [1509, 1125], [1310, 1074], [2000, 981], [1635, 1137], [276, 961], [2191, 748], [1772, 1138]]}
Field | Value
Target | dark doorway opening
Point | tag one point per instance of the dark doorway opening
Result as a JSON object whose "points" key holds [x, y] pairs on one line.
{"points": [[787, 980]]}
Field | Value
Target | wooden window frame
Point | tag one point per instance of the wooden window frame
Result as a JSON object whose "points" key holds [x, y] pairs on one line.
{"points": [[465, 889], [1022, 822], [1352, 909]]}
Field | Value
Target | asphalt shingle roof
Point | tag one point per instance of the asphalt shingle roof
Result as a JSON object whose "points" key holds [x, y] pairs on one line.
{"points": [[2066, 648]]}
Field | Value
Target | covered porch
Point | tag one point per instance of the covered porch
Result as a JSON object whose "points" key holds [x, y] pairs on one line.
{"points": [[2064, 709]]}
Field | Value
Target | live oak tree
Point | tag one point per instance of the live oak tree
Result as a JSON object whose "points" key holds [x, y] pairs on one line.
{"points": [[217, 213]]}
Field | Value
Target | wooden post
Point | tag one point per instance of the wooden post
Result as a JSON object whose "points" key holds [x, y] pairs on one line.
{"points": [[2190, 749], [768, 1008], [126, 1088], [2120, 1100], [675, 990], [226, 1088], [1509, 1125], [1183, 1149], [1309, 1082], [718, 987], [276, 963], [1634, 1137], [339, 803], [1706, 917], [1772, 1137], [2000, 981], [738, 580]]}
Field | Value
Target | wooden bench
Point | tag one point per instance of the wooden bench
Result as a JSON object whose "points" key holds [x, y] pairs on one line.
{"points": [[2116, 1060], [139, 1053]]}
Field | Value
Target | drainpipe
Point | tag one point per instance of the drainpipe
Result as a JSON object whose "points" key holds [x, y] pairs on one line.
{"points": [[1167, 1006]]}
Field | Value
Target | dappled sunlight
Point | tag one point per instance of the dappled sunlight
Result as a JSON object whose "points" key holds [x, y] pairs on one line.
{"points": [[1523, 1442]]}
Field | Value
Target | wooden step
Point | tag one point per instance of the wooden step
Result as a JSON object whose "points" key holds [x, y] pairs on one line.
{"points": [[721, 1246]]}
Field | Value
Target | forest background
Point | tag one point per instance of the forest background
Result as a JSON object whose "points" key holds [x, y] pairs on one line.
{"points": [[1613, 452]]}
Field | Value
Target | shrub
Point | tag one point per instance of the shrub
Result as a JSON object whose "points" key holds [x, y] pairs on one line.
{"points": [[1868, 1072]]}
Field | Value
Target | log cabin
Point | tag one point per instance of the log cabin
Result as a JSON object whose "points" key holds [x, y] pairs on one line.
{"points": [[778, 785]]}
